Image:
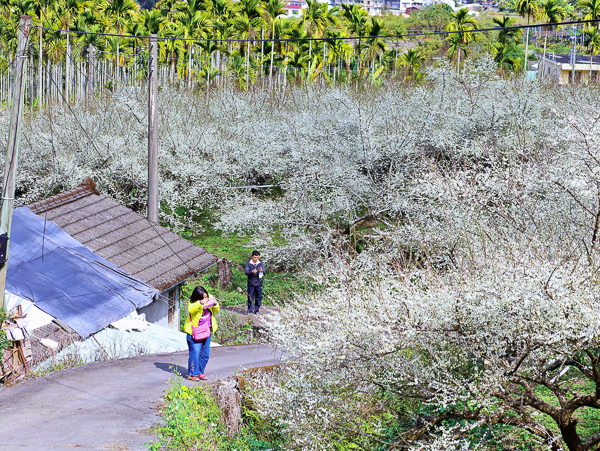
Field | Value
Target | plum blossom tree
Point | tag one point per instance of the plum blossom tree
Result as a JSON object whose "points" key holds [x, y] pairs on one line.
{"points": [[471, 302]]}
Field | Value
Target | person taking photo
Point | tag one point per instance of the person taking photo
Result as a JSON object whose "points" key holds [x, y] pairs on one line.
{"points": [[199, 327], [255, 270]]}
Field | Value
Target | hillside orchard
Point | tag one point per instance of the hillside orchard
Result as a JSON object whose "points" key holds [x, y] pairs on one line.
{"points": [[450, 230]]}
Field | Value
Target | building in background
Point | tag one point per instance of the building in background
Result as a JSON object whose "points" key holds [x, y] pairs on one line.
{"points": [[373, 7], [559, 69]]}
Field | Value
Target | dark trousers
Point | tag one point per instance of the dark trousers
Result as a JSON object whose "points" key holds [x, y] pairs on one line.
{"points": [[254, 293], [199, 354]]}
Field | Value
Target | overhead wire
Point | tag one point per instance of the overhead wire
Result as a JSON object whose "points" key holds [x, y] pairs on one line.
{"points": [[337, 38]]}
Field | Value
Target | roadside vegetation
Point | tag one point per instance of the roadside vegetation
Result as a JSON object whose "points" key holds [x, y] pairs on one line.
{"points": [[5, 343], [194, 421]]}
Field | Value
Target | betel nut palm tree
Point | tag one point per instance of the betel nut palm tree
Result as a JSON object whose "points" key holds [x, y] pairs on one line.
{"points": [[357, 23], [118, 14], [412, 60], [529, 9], [460, 25], [553, 13], [507, 41], [592, 10], [375, 42], [592, 36], [273, 9]]}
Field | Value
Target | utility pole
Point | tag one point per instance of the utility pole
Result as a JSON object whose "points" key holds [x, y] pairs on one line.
{"points": [[12, 153], [153, 131]]}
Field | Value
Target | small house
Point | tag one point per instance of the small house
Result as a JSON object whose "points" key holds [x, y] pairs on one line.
{"points": [[160, 258], [558, 68]]}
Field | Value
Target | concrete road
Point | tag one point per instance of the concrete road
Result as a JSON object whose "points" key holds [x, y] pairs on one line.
{"points": [[107, 405]]}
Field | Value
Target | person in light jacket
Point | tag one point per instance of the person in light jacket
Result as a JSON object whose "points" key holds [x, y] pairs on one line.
{"points": [[255, 271], [199, 305]]}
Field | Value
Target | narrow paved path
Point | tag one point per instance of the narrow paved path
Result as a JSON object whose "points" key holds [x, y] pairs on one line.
{"points": [[107, 405]]}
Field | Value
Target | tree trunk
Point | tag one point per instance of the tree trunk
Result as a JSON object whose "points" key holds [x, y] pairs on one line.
{"points": [[40, 71], [570, 436], [118, 61], [526, 65], [544, 57]]}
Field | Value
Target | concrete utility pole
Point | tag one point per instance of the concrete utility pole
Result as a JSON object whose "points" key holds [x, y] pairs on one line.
{"points": [[12, 153], [153, 131], [573, 59]]}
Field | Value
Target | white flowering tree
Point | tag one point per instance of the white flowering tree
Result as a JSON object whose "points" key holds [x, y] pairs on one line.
{"points": [[470, 303], [476, 310]]}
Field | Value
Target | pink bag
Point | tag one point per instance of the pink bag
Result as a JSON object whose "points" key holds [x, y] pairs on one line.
{"points": [[203, 329]]}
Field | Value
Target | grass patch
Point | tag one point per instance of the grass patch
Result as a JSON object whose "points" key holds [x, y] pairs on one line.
{"points": [[194, 421], [278, 287], [232, 247], [589, 418]]}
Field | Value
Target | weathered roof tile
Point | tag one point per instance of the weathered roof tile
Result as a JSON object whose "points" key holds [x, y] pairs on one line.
{"points": [[150, 252]]}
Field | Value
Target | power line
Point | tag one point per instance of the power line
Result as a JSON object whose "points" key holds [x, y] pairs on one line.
{"points": [[328, 39], [90, 139]]}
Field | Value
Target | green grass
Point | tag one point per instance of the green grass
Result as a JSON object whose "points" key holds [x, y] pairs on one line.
{"points": [[194, 421], [589, 418], [232, 247], [278, 287]]}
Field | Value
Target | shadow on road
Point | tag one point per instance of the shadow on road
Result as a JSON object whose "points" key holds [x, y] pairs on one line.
{"points": [[172, 368]]}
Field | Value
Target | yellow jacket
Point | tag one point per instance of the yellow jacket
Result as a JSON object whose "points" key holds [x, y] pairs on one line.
{"points": [[196, 309]]}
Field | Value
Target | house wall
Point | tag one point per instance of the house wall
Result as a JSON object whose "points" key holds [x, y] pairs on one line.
{"points": [[165, 310], [560, 73]]}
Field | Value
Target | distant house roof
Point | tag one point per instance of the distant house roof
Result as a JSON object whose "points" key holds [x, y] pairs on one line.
{"points": [[566, 59], [128, 240]]}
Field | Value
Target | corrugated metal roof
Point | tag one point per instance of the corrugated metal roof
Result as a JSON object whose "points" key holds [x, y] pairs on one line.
{"points": [[150, 252]]}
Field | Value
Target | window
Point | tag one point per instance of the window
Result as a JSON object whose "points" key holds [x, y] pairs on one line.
{"points": [[173, 296]]}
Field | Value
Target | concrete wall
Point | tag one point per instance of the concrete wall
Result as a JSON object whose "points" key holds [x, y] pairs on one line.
{"points": [[165, 310], [560, 73]]}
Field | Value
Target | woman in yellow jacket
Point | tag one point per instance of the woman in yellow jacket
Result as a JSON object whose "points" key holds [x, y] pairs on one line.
{"points": [[200, 305]]}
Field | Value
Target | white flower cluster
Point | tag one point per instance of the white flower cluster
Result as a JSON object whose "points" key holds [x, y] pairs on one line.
{"points": [[480, 295], [476, 284]]}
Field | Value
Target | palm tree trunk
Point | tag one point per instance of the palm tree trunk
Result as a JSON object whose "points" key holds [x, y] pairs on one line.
{"points": [[324, 56], [40, 70], [189, 67], [31, 80], [526, 65], [544, 57], [309, 59], [458, 62], [118, 61], [272, 52], [247, 65]]}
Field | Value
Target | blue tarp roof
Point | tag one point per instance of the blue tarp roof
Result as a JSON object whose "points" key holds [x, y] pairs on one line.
{"points": [[70, 282]]}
